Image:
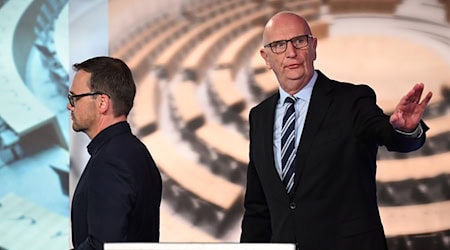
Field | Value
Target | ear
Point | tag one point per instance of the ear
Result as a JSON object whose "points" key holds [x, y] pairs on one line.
{"points": [[314, 46], [104, 103], [264, 55]]}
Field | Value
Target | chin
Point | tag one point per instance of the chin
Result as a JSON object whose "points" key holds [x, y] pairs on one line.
{"points": [[77, 129]]}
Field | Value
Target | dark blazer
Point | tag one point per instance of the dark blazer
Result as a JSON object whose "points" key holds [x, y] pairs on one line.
{"points": [[118, 195], [333, 204]]}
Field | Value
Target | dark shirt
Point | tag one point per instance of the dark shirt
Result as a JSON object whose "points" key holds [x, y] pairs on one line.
{"points": [[118, 196]]}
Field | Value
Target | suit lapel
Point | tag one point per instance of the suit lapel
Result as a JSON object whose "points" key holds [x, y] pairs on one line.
{"points": [[320, 101]]}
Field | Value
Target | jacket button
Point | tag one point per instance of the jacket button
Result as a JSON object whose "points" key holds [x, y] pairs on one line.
{"points": [[292, 205]]}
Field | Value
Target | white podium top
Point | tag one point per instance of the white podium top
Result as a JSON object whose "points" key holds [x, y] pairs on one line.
{"points": [[198, 246]]}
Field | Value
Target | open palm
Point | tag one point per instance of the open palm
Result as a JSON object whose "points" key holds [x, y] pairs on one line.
{"points": [[409, 110]]}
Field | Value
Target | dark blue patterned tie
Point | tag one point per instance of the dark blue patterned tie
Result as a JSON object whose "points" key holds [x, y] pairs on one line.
{"points": [[288, 145]]}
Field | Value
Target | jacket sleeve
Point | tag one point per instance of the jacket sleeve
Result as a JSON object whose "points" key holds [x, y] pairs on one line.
{"points": [[373, 123], [256, 222], [256, 226]]}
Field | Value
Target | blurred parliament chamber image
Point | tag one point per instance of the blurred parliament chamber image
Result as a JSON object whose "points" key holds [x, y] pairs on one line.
{"points": [[198, 73]]}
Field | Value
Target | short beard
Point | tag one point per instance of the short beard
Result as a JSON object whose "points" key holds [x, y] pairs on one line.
{"points": [[78, 129]]}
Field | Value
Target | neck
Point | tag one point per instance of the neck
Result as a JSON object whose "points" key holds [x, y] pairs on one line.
{"points": [[105, 122], [298, 84]]}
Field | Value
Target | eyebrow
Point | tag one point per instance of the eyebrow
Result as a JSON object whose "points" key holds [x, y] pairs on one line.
{"points": [[285, 40]]}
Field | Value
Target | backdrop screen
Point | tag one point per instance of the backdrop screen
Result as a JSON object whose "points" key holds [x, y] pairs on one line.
{"points": [[198, 73]]}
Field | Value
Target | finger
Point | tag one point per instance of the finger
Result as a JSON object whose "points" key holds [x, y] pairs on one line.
{"points": [[410, 96], [414, 94], [418, 90], [427, 99], [419, 85]]}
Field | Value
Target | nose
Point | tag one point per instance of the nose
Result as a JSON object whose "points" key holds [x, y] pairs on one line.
{"points": [[291, 51], [69, 107]]}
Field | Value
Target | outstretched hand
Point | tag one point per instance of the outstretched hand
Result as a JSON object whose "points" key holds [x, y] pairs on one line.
{"points": [[409, 110]]}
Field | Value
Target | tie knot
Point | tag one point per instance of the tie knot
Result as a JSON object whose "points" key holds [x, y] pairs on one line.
{"points": [[290, 99]]}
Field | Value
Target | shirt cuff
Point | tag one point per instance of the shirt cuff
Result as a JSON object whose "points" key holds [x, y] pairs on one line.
{"points": [[414, 134]]}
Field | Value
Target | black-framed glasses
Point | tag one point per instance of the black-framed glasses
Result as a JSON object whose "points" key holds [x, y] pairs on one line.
{"points": [[298, 42], [72, 98]]}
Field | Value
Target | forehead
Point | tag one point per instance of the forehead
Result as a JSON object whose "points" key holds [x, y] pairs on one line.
{"points": [[80, 81], [285, 26]]}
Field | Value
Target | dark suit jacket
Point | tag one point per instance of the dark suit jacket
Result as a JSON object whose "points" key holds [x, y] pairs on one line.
{"points": [[118, 195], [333, 204]]}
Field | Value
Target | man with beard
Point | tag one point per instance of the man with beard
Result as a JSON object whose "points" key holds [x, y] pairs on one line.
{"points": [[118, 196]]}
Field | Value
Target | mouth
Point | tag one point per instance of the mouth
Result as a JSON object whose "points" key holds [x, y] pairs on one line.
{"points": [[293, 66]]}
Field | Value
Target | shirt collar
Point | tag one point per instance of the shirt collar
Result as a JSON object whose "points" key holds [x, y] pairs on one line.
{"points": [[304, 94], [106, 134]]}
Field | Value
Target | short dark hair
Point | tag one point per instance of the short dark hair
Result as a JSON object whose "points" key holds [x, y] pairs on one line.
{"points": [[113, 77]]}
